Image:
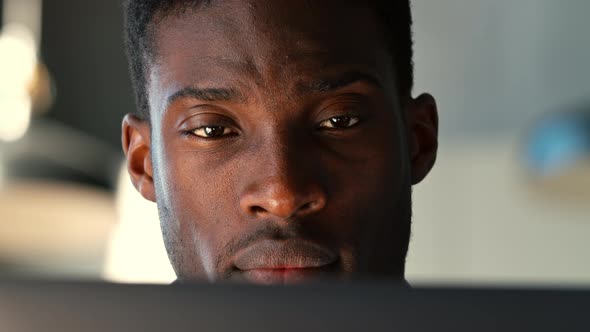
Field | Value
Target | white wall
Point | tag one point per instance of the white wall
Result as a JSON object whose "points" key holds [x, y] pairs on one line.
{"points": [[494, 67], [479, 218]]}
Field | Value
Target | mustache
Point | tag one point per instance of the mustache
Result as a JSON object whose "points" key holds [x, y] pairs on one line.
{"points": [[263, 231]]}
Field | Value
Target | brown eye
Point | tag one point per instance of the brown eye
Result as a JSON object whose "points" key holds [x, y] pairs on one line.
{"points": [[340, 122], [212, 131]]}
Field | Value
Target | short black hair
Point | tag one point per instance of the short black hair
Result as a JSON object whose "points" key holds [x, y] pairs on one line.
{"points": [[395, 16]]}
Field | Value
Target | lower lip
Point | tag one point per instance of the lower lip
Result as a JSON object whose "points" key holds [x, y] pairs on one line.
{"points": [[284, 275]]}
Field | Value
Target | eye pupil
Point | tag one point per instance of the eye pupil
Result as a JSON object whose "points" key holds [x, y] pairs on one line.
{"points": [[214, 131], [340, 121]]}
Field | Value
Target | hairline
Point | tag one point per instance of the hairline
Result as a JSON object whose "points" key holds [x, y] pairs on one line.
{"points": [[148, 52]]}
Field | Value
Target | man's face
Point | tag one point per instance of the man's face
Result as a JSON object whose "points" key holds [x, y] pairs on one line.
{"points": [[278, 149]]}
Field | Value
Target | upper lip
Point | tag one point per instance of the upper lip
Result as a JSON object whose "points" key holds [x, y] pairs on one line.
{"points": [[288, 254]]}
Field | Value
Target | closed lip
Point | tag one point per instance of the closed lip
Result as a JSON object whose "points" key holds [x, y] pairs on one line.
{"points": [[288, 254]]}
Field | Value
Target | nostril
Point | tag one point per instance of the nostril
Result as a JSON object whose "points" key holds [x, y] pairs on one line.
{"points": [[255, 210], [310, 207], [307, 206]]}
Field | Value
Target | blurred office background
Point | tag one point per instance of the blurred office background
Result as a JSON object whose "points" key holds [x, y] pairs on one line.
{"points": [[508, 201]]}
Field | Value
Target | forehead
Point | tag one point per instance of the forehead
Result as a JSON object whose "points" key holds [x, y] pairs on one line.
{"points": [[268, 43]]}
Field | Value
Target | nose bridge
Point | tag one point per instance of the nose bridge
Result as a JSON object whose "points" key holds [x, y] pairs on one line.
{"points": [[285, 156], [283, 165], [284, 184]]}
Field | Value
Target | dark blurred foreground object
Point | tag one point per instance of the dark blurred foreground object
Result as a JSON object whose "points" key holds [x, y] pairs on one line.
{"points": [[39, 306], [558, 153]]}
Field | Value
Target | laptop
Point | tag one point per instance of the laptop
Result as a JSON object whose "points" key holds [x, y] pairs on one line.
{"points": [[368, 306]]}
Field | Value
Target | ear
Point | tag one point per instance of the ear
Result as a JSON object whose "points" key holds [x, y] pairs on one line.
{"points": [[136, 145], [422, 118]]}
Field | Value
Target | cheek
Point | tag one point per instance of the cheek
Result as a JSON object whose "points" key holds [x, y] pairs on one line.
{"points": [[190, 183], [372, 218], [201, 204], [366, 192]]}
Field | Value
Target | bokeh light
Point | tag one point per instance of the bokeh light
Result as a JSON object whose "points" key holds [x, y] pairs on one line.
{"points": [[18, 60]]}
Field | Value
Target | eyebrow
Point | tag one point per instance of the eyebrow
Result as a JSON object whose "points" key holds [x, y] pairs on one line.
{"points": [[340, 82], [206, 94], [228, 94]]}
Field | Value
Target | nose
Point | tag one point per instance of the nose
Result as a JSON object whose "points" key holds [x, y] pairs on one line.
{"points": [[283, 182], [278, 196]]}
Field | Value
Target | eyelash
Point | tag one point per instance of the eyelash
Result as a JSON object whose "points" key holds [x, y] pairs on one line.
{"points": [[193, 133], [347, 118], [323, 125]]}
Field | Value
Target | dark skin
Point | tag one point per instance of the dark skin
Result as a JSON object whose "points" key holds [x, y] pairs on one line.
{"points": [[279, 150]]}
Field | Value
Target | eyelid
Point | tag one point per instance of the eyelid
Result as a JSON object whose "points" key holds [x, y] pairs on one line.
{"points": [[203, 119], [345, 103], [340, 109], [352, 105], [206, 118], [204, 110]]}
